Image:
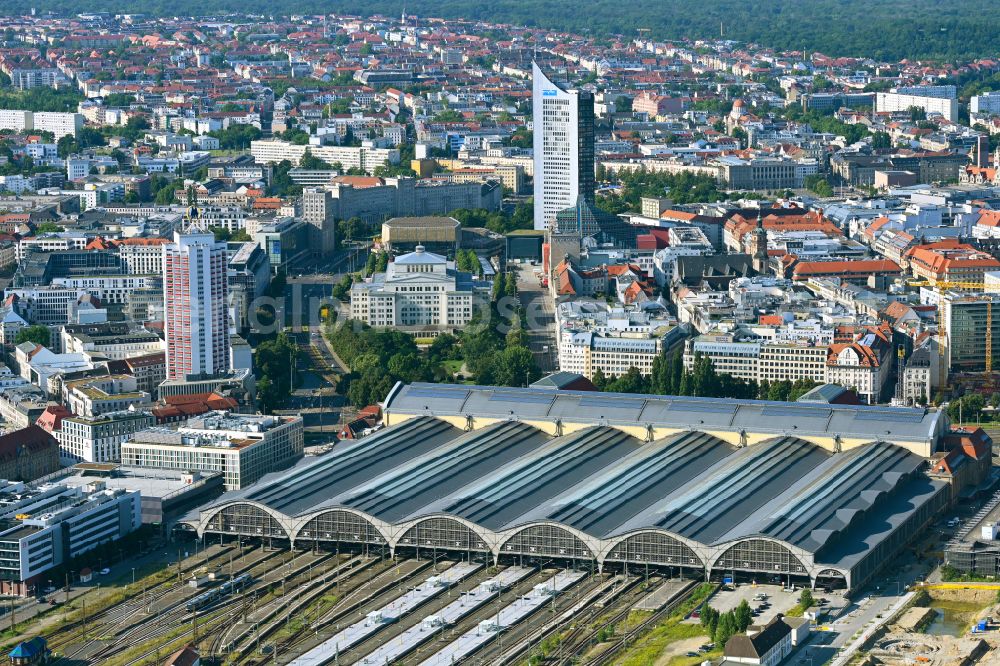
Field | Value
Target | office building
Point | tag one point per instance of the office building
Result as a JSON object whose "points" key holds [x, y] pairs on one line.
{"points": [[286, 241], [243, 447], [116, 340], [754, 358], [98, 439], [194, 305], [951, 260], [964, 318], [51, 524], [141, 256], [28, 453], [318, 211], [595, 338], [164, 492], [564, 147], [93, 396], [21, 403]]}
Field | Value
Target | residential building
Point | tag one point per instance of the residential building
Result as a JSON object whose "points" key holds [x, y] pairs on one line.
{"points": [[863, 365], [564, 147], [15, 120], [195, 306], [986, 104], [243, 447], [149, 370], [366, 158], [891, 102], [919, 376]]}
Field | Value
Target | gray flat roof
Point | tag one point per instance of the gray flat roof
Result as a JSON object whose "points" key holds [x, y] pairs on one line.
{"points": [[780, 418]]}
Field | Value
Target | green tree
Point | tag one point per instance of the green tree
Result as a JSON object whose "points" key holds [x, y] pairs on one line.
{"points": [[48, 228], [37, 333], [310, 161], [743, 616], [514, 366], [806, 599], [274, 360], [818, 185], [726, 628], [881, 141]]}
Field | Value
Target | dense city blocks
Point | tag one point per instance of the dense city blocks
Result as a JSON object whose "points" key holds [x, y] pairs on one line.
{"points": [[532, 333]]}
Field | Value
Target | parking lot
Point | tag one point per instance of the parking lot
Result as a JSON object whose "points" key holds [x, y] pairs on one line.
{"points": [[779, 600]]}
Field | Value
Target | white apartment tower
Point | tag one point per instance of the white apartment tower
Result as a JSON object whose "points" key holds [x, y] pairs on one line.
{"points": [[564, 147], [194, 306]]}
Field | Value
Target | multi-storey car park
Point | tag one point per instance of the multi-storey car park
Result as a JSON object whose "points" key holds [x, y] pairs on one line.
{"points": [[705, 487]]}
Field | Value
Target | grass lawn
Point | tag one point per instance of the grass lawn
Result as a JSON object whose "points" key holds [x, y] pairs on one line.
{"points": [[452, 366]]}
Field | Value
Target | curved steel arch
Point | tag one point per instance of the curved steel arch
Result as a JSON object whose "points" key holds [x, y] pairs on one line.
{"points": [[340, 524], [653, 546], [444, 532], [761, 554], [243, 511], [548, 539], [830, 572]]}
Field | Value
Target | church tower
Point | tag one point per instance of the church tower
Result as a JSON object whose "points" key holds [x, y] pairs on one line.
{"points": [[758, 246]]}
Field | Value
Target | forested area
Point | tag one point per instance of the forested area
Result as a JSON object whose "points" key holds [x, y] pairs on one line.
{"points": [[890, 30]]}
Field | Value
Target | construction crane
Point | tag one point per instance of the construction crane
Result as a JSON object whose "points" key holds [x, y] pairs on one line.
{"points": [[964, 285]]}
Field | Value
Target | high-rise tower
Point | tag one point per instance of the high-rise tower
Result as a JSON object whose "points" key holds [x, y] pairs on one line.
{"points": [[195, 315], [564, 146]]}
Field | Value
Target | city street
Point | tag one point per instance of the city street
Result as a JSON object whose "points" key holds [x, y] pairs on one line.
{"points": [[539, 317]]}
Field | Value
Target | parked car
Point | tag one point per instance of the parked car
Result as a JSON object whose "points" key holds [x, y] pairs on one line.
{"points": [[105, 571]]}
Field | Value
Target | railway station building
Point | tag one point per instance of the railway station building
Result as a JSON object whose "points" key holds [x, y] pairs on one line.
{"points": [[810, 493]]}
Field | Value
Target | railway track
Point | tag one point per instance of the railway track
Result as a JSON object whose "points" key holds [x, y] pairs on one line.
{"points": [[236, 637], [633, 634], [618, 597], [120, 623], [365, 594], [119, 612], [535, 627]]}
